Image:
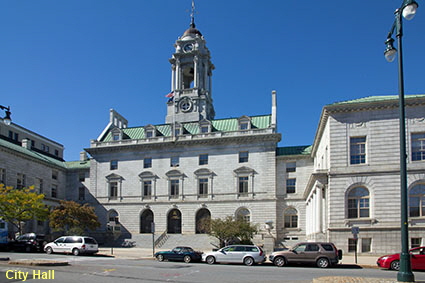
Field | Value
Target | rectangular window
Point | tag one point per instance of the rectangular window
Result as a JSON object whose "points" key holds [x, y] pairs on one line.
{"points": [[290, 185], [243, 156], [56, 152], [291, 221], [366, 245], [82, 177], [147, 162], [415, 242], [174, 189], [81, 193], [243, 186], [177, 132], [113, 190], [20, 180], [418, 146], [116, 137], [2, 176], [114, 165], [352, 245], [291, 167], [203, 159], [149, 134], [54, 192], [203, 187], [357, 150], [147, 189], [243, 126], [174, 161], [54, 175], [39, 185], [204, 129]]}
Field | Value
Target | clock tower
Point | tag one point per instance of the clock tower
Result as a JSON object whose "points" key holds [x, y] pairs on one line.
{"points": [[190, 97]]}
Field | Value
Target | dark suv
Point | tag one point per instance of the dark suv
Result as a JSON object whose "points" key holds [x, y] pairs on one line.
{"points": [[29, 242], [321, 254]]}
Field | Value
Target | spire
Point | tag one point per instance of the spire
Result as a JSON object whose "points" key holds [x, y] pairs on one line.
{"points": [[192, 15]]}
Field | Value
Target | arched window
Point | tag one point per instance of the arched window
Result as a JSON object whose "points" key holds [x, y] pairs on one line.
{"points": [[291, 218], [358, 203], [113, 222], [417, 201], [244, 214]]}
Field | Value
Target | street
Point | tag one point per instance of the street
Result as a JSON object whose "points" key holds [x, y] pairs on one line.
{"points": [[101, 269]]}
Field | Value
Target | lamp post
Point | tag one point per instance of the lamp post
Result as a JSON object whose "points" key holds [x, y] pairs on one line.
{"points": [[408, 11], [7, 120]]}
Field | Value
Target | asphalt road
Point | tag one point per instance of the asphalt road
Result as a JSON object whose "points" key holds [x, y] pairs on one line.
{"points": [[96, 269]]}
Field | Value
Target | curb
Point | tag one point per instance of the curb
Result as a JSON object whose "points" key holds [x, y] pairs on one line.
{"points": [[39, 263]]}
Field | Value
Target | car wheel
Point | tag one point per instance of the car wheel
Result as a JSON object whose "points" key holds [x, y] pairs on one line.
{"points": [[75, 251], [187, 258], [322, 262], [395, 265], [210, 260], [49, 250], [248, 261], [279, 261], [160, 257]]}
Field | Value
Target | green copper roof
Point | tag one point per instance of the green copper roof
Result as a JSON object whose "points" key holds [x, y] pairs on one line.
{"points": [[78, 164], [31, 153], [370, 99], [294, 150], [220, 125]]}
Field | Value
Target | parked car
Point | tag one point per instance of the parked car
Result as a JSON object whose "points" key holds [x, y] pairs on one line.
{"points": [[29, 242], [72, 244], [321, 254], [186, 254], [246, 254], [417, 260]]}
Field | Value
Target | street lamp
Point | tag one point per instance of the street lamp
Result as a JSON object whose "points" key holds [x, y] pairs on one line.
{"points": [[7, 120], [408, 11]]}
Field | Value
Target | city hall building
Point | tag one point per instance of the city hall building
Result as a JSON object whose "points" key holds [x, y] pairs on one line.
{"points": [[169, 178]]}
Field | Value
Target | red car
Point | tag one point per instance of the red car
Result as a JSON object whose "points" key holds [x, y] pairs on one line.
{"points": [[417, 259]]}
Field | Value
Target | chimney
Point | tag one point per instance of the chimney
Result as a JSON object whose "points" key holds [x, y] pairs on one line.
{"points": [[83, 156], [26, 143], [274, 110]]}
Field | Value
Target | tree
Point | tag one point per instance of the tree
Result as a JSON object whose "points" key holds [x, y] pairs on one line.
{"points": [[73, 218], [20, 205], [229, 230]]}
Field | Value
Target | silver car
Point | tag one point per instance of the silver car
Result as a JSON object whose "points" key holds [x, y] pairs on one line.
{"points": [[246, 254]]}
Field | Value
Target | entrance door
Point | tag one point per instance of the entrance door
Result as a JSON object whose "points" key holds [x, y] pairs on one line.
{"points": [[174, 222], [146, 219], [203, 217]]}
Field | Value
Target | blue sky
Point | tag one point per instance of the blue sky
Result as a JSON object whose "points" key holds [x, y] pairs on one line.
{"points": [[64, 64]]}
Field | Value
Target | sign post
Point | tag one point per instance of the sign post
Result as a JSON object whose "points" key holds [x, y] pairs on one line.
{"points": [[153, 238], [355, 231]]}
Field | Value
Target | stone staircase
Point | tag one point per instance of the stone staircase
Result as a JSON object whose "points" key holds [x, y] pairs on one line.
{"points": [[200, 242]]}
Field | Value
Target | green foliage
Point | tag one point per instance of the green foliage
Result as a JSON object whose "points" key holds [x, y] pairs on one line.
{"points": [[228, 230], [73, 218], [20, 205]]}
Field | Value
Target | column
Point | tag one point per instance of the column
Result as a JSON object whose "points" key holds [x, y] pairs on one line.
{"points": [[195, 72]]}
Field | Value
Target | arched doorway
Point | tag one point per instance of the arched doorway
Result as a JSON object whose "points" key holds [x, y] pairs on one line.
{"points": [[174, 222], [202, 221], [146, 219]]}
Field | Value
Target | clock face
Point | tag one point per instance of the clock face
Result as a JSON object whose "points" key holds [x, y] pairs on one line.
{"points": [[188, 47], [185, 104]]}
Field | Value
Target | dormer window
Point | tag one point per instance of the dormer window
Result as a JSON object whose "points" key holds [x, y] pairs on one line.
{"points": [[244, 123], [204, 127], [150, 131], [116, 137]]}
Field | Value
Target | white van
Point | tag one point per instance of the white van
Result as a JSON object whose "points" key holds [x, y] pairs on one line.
{"points": [[72, 244]]}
